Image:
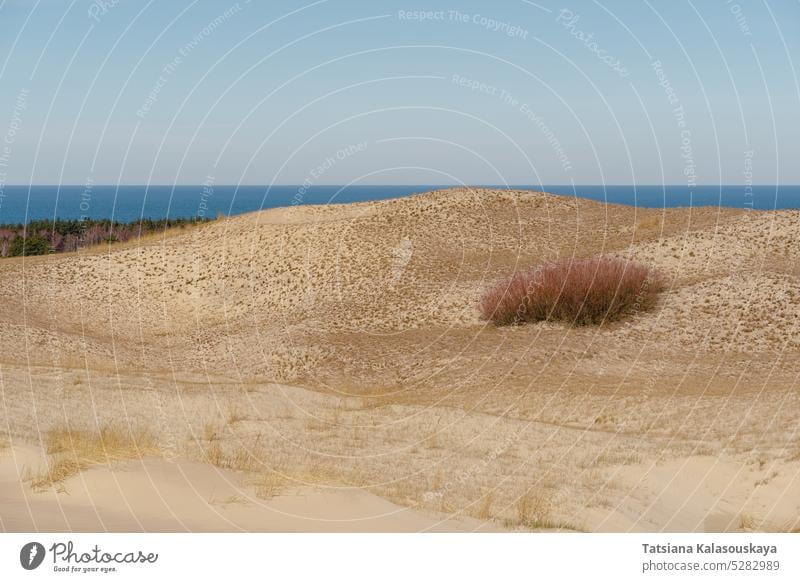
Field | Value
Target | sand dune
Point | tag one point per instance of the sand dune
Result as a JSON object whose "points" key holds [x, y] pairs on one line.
{"points": [[341, 346], [156, 495]]}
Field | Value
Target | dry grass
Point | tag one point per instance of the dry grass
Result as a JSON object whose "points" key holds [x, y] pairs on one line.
{"points": [[210, 432], [270, 477], [240, 458], [213, 454], [484, 511], [268, 485], [578, 291], [533, 509], [751, 523], [617, 458], [72, 451], [235, 415]]}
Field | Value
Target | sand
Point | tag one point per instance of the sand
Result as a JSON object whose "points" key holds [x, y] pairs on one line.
{"points": [[156, 495], [340, 349]]}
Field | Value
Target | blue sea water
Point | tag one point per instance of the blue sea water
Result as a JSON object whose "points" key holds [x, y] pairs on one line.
{"points": [[20, 204]]}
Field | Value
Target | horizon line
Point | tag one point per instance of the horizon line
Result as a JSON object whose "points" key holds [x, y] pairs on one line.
{"points": [[404, 185]]}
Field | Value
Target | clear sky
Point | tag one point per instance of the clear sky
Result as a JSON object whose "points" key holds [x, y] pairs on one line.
{"points": [[380, 92]]}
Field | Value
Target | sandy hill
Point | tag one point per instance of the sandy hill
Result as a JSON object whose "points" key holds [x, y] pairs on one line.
{"points": [[369, 310], [244, 292]]}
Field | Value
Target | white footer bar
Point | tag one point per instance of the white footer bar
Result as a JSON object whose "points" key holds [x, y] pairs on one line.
{"points": [[406, 557]]}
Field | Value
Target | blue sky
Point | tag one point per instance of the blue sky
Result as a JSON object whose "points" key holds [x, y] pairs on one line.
{"points": [[428, 92]]}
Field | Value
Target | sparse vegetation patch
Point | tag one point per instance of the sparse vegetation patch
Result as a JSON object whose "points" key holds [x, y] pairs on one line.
{"points": [[71, 451]]}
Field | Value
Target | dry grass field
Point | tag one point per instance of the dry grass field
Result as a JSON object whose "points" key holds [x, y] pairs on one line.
{"points": [[338, 352]]}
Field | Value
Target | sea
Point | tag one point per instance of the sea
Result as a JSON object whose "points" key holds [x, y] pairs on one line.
{"points": [[21, 204]]}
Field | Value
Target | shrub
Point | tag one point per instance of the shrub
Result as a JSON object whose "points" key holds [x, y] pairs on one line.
{"points": [[28, 246], [578, 291]]}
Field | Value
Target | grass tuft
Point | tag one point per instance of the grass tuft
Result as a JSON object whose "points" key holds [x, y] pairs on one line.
{"points": [[72, 451], [533, 509]]}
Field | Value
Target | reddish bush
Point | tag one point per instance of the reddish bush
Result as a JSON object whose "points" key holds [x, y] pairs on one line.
{"points": [[578, 291]]}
